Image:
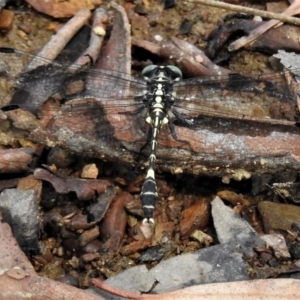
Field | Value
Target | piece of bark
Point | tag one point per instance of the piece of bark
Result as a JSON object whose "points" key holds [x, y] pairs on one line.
{"points": [[135, 246], [194, 217], [99, 207], [98, 32], [292, 10], [88, 236], [57, 43], [114, 222], [191, 60], [15, 160], [12, 288], [116, 55], [84, 189], [271, 41], [232, 148]]}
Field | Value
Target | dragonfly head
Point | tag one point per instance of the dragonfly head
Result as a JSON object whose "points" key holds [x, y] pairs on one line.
{"points": [[154, 72]]}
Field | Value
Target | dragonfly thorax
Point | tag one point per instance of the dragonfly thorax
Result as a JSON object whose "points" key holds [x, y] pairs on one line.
{"points": [[160, 81]]}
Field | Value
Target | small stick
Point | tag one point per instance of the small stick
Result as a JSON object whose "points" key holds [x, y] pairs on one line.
{"points": [[57, 43], [97, 36], [293, 9], [115, 291], [248, 10]]}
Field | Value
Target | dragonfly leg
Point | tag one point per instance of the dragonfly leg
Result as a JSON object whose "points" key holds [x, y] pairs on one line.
{"points": [[149, 135], [173, 133], [182, 118]]}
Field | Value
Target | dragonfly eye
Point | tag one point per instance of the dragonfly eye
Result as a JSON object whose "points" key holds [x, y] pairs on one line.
{"points": [[147, 70], [176, 72]]}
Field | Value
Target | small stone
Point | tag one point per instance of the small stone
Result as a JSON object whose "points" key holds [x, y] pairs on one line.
{"points": [[6, 19], [90, 171], [202, 237], [73, 262], [265, 257], [278, 216], [232, 197], [92, 247], [277, 243], [98, 30], [90, 256], [88, 235], [60, 251], [220, 263], [137, 278], [22, 34], [17, 273], [25, 26], [229, 225], [20, 209]]}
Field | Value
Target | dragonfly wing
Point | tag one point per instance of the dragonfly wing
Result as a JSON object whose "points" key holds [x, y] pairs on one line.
{"points": [[237, 97], [30, 87]]}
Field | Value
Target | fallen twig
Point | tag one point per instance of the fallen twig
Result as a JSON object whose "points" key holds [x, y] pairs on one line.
{"points": [[115, 291], [97, 36], [57, 43], [293, 9], [263, 289], [247, 10]]}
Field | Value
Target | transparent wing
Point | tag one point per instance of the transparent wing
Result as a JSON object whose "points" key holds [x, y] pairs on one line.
{"points": [[30, 86], [266, 97]]}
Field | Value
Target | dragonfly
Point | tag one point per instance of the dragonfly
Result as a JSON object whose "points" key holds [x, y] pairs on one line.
{"points": [[160, 95]]}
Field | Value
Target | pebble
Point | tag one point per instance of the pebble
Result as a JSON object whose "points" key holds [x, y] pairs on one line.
{"points": [[202, 237], [229, 225], [233, 198], [20, 209], [6, 19], [277, 242], [88, 235], [278, 216], [90, 171], [194, 217]]}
